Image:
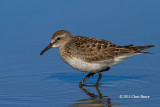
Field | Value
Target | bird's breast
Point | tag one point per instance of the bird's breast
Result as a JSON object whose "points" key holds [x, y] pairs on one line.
{"points": [[84, 66]]}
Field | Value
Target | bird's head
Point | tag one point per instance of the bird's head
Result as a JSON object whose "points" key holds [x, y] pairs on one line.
{"points": [[59, 39]]}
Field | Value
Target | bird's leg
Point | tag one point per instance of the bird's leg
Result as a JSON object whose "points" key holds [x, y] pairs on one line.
{"points": [[100, 75], [99, 78], [86, 77], [92, 74]]}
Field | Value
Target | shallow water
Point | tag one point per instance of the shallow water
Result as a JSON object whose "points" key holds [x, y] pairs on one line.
{"points": [[30, 80], [61, 89]]}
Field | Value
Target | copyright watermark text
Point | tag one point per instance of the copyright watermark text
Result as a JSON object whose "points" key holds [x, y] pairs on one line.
{"points": [[134, 96]]}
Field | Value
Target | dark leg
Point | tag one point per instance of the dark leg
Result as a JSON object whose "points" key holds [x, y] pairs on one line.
{"points": [[86, 77], [92, 74], [100, 75], [99, 78]]}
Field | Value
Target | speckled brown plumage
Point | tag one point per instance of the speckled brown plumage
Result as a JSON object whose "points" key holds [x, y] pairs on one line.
{"points": [[92, 49]]}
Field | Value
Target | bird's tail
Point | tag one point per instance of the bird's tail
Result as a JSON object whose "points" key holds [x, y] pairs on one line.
{"points": [[139, 48]]}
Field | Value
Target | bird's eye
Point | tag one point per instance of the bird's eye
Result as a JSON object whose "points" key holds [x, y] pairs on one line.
{"points": [[58, 38]]}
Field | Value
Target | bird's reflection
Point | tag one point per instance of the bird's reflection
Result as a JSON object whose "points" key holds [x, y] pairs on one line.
{"points": [[94, 100]]}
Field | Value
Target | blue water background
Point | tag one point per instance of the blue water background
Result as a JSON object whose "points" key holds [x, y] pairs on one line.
{"points": [[30, 80]]}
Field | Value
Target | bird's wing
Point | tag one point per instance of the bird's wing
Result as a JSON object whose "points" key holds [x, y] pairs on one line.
{"points": [[92, 49]]}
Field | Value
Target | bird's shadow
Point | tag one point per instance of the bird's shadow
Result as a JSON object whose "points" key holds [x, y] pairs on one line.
{"points": [[77, 77]]}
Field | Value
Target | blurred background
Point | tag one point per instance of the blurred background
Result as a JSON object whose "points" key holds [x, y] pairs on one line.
{"points": [[26, 28]]}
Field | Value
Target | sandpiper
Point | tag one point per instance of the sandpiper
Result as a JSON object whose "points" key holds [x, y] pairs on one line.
{"points": [[91, 55]]}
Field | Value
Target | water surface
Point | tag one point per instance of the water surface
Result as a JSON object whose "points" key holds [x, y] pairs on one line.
{"points": [[30, 80]]}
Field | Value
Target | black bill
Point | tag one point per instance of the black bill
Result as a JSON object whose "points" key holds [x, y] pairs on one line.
{"points": [[47, 48]]}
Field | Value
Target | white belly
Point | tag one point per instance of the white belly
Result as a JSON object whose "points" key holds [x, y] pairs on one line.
{"points": [[93, 67], [84, 66]]}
